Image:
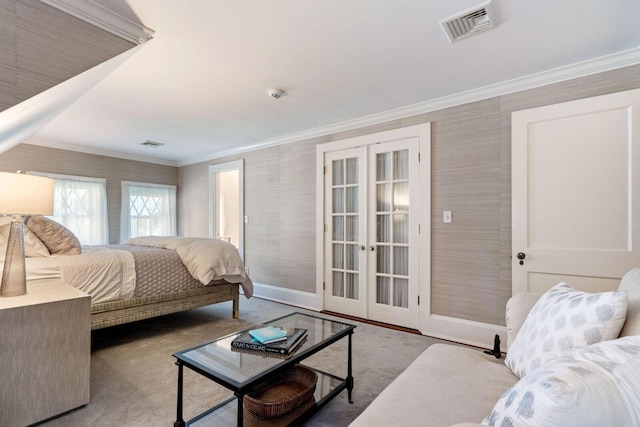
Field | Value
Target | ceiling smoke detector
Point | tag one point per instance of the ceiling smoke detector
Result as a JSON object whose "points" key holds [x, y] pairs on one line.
{"points": [[468, 22], [148, 143], [275, 93]]}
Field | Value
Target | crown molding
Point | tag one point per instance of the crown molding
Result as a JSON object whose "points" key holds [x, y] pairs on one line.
{"points": [[104, 18], [556, 75], [97, 151]]}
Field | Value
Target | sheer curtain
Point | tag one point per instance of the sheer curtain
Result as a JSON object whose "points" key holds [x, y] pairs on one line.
{"points": [[80, 204], [147, 210]]}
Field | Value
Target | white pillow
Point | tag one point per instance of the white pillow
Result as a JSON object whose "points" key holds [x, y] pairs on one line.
{"points": [[563, 320], [33, 247], [595, 386]]}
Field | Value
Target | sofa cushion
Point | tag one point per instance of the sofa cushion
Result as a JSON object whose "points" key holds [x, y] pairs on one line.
{"points": [[631, 283], [597, 385], [517, 309], [563, 320], [445, 385]]}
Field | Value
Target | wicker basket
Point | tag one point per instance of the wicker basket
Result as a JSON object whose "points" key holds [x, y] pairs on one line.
{"points": [[282, 393]]}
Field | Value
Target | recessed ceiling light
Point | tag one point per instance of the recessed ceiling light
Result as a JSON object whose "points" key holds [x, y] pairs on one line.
{"points": [[148, 143]]}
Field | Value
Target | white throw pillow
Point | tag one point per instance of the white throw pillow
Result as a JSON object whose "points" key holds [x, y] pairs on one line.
{"points": [[563, 320], [33, 247], [595, 386]]}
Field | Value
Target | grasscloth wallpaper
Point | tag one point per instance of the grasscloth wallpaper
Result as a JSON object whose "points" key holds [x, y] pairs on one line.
{"points": [[35, 55], [42, 159], [471, 169], [471, 176]]}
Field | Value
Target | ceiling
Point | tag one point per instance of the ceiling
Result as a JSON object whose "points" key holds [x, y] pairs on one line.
{"points": [[200, 85]]}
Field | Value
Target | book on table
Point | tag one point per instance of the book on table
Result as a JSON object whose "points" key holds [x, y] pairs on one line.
{"points": [[268, 334], [293, 339]]}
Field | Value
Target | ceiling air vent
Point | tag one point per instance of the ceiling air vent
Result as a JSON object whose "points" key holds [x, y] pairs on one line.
{"points": [[468, 22], [148, 143]]}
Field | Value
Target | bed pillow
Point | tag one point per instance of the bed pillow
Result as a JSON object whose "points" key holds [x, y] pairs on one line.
{"points": [[563, 320], [33, 247], [597, 385], [56, 237]]}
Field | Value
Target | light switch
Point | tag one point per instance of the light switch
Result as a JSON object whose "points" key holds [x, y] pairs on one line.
{"points": [[446, 217]]}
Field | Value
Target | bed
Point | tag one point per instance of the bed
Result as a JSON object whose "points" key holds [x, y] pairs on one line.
{"points": [[144, 277]]}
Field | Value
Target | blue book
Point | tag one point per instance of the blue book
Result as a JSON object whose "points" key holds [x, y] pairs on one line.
{"points": [[268, 334]]}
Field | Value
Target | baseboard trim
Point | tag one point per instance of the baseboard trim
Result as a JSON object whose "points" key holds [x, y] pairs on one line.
{"points": [[469, 332], [462, 331], [301, 299]]}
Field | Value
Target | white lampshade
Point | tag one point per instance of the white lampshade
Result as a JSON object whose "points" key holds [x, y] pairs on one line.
{"points": [[22, 194]]}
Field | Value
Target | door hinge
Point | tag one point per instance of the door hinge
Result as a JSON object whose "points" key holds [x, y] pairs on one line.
{"points": [[418, 299], [418, 228], [418, 157], [324, 227], [324, 286], [324, 170]]}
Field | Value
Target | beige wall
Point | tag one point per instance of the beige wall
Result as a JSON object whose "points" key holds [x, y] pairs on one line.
{"points": [[41, 46], [42, 159], [471, 176]]}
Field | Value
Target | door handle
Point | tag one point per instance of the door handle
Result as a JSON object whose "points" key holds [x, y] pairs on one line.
{"points": [[521, 256], [372, 248], [363, 247]]}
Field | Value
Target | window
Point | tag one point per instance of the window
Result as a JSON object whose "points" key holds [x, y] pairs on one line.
{"points": [[80, 204], [147, 210]]}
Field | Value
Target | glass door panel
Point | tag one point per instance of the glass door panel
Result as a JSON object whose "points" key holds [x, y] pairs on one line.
{"points": [[392, 236], [344, 182]]}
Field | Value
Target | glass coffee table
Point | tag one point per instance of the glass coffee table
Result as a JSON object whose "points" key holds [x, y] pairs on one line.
{"points": [[240, 370]]}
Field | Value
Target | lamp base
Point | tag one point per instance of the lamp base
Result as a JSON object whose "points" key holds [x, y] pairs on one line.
{"points": [[14, 275]]}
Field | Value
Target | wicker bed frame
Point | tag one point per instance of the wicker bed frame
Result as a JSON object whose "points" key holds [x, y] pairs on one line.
{"points": [[114, 313]]}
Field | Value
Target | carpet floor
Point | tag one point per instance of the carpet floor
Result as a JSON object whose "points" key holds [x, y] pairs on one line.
{"points": [[134, 376]]}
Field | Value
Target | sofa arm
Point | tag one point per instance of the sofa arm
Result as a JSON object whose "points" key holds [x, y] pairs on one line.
{"points": [[517, 309]]}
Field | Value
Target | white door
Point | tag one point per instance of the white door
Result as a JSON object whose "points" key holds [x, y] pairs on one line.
{"points": [[393, 233], [371, 250], [576, 193], [345, 243]]}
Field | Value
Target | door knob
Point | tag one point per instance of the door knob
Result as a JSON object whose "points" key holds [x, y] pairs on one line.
{"points": [[363, 247], [521, 256], [372, 248]]}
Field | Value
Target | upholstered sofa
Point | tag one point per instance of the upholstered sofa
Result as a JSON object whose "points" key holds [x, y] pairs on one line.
{"points": [[451, 385]]}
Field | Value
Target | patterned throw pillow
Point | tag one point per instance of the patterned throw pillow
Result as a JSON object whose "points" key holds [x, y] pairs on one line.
{"points": [[563, 320], [56, 237], [597, 385]]}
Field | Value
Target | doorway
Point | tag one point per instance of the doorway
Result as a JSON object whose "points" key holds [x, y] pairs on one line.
{"points": [[375, 194], [226, 215]]}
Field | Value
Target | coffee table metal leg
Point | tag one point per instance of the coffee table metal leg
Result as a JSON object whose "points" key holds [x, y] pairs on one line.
{"points": [[240, 409], [179, 420], [349, 372]]}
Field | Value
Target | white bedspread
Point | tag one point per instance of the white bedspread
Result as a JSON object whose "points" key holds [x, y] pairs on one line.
{"points": [[105, 273]]}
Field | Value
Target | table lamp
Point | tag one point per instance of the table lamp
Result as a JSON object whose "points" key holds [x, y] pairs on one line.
{"points": [[21, 194]]}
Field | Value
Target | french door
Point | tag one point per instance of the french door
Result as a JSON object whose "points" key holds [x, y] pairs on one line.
{"points": [[371, 255]]}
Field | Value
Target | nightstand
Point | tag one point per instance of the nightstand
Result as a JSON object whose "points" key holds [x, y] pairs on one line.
{"points": [[45, 351]]}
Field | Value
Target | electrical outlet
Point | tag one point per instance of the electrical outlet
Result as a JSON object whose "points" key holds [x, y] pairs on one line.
{"points": [[446, 217]]}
